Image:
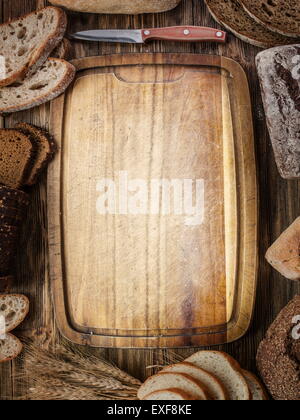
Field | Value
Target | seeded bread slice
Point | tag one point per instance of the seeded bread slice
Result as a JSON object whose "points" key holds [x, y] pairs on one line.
{"points": [[10, 348], [214, 387], [281, 16], [47, 83], [26, 42], [233, 17], [226, 369], [166, 380], [14, 309], [16, 154], [256, 387], [46, 148], [172, 394], [13, 197]]}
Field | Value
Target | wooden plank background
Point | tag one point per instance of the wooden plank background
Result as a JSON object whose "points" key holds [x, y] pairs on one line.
{"points": [[279, 199]]}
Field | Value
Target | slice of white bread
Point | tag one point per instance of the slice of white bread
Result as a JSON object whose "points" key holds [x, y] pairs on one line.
{"points": [[256, 387], [215, 388], [10, 348], [283, 255], [14, 309], [47, 83], [226, 369], [172, 394], [167, 380], [26, 42], [63, 50]]}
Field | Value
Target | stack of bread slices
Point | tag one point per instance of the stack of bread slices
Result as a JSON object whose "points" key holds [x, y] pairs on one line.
{"points": [[13, 310], [206, 375], [29, 76], [263, 23]]}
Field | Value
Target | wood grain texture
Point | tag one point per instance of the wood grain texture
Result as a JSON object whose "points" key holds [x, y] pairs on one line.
{"points": [[171, 280], [279, 199]]}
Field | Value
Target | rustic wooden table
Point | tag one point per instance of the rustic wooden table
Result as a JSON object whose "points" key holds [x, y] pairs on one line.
{"points": [[279, 199]]}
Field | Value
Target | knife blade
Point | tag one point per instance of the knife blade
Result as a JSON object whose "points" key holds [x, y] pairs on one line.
{"points": [[140, 36]]}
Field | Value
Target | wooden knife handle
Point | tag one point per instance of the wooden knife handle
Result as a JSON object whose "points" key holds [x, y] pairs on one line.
{"points": [[185, 33]]}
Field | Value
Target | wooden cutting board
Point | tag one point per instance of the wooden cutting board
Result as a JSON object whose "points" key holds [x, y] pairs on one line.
{"points": [[153, 202]]}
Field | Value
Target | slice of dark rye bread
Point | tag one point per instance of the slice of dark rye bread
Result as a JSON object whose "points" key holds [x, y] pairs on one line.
{"points": [[281, 16], [278, 71], [46, 149], [234, 18], [278, 357], [26, 42], [47, 83], [16, 157]]}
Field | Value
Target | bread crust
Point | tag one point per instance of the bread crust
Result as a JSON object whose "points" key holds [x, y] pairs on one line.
{"points": [[58, 90], [253, 378], [133, 7], [43, 52]]}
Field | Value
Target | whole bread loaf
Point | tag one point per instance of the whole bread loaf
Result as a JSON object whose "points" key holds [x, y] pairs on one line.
{"points": [[279, 74], [278, 357], [132, 7]]}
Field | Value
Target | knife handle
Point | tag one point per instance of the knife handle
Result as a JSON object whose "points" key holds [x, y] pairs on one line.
{"points": [[185, 33]]}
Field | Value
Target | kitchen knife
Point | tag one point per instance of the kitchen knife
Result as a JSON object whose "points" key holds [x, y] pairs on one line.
{"points": [[140, 36]]}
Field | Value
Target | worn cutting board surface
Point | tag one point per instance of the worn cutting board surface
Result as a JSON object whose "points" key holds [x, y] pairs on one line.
{"points": [[153, 202]]}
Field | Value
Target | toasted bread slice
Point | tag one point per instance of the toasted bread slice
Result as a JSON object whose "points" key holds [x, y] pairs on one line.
{"points": [[10, 347], [172, 394], [226, 369], [215, 388], [165, 380], [14, 309]]}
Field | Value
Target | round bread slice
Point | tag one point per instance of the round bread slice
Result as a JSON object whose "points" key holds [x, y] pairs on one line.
{"points": [[227, 370], [47, 83], [281, 16], [256, 387], [12, 196], [165, 380], [14, 309], [215, 388], [233, 17], [172, 394], [10, 348]]}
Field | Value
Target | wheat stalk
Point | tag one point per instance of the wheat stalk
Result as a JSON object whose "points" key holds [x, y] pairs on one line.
{"points": [[68, 375]]}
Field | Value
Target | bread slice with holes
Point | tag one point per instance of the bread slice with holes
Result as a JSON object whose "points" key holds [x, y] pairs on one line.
{"points": [[165, 380], [214, 387], [10, 347], [47, 83], [172, 394], [281, 16], [233, 17], [226, 369], [26, 42], [256, 387], [46, 149], [16, 157], [14, 309]]}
